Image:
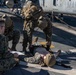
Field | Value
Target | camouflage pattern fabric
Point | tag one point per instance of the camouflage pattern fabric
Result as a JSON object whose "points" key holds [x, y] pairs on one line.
{"points": [[10, 33], [7, 64], [25, 7], [27, 33], [8, 29], [33, 14], [48, 32], [42, 57], [29, 28], [36, 59], [3, 44], [7, 60], [31, 10], [14, 36]]}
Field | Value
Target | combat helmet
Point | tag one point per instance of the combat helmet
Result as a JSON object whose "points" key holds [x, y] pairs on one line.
{"points": [[8, 21], [9, 3], [50, 60]]}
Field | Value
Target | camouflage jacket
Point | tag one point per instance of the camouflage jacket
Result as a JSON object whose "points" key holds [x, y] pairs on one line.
{"points": [[8, 30], [7, 60], [3, 44], [4, 53]]}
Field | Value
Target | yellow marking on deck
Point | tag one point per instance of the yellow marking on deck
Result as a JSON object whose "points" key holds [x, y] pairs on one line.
{"points": [[44, 43]]}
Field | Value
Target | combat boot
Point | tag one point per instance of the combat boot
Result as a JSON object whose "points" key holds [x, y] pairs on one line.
{"points": [[58, 53], [47, 47], [25, 51]]}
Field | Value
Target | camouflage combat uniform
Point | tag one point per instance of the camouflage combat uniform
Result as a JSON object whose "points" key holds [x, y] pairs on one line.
{"points": [[35, 18], [10, 33], [7, 60], [41, 56]]}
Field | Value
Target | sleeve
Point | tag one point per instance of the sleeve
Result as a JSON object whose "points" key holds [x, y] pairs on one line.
{"points": [[30, 60], [4, 48], [3, 44], [48, 33], [9, 30]]}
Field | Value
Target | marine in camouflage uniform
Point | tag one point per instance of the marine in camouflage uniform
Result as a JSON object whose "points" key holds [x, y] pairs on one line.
{"points": [[7, 60], [41, 56], [34, 17], [10, 32]]}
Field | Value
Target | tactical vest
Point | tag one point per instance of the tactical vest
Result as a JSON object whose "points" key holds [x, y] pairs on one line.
{"points": [[32, 10]]}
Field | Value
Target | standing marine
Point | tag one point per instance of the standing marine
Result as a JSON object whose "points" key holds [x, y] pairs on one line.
{"points": [[34, 17]]}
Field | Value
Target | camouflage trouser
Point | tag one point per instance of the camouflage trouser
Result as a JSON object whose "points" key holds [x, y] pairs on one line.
{"points": [[14, 36], [48, 33], [27, 33], [36, 59]]}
